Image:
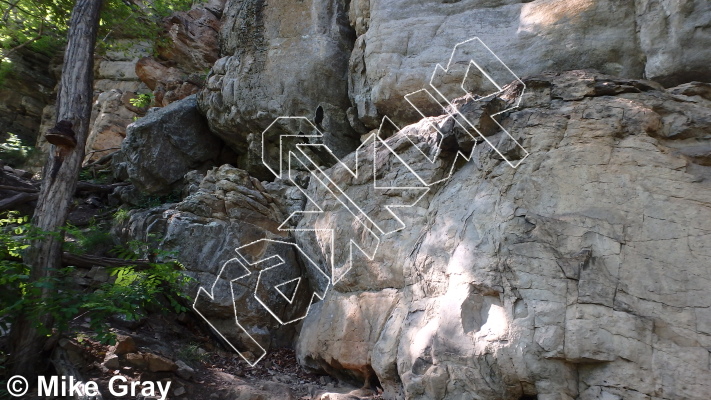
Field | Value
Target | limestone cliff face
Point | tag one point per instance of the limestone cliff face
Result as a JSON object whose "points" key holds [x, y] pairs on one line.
{"points": [[280, 59], [288, 59], [25, 93], [400, 41], [582, 274]]}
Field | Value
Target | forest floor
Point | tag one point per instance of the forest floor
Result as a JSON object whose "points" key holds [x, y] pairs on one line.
{"points": [[213, 373]]}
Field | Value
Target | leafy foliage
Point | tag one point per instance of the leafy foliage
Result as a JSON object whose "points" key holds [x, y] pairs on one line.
{"points": [[92, 239], [142, 100], [121, 215], [100, 177], [13, 152], [192, 355], [130, 290], [41, 25]]}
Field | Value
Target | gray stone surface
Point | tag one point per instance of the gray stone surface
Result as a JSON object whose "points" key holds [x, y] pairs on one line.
{"points": [[400, 42], [24, 94], [675, 37], [582, 274], [163, 146], [228, 210], [280, 59]]}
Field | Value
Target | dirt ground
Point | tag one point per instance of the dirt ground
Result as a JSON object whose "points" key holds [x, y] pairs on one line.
{"points": [[216, 373]]}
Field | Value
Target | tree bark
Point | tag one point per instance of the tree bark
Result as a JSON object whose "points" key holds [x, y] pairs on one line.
{"points": [[73, 105]]}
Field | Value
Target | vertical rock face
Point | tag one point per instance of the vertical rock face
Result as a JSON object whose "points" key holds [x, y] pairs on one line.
{"points": [[224, 209], [26, 90], [582, 274], [281, 59], [675, 37], [400, 41]]}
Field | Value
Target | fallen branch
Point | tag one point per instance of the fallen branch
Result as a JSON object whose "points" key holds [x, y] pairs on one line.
{"points": [[96, 188], [89, 261], [81, 187], [19, 189], [14, 201]]}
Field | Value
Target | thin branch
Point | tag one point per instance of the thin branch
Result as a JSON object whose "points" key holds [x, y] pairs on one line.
{"points": [[6, 14], [16, 200], [39, 35], [102, 150], [16, 5], [101, 160]]}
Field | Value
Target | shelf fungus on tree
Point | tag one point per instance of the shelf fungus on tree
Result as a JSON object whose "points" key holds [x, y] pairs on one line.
{"points": [[62, 135], [63, 138]]}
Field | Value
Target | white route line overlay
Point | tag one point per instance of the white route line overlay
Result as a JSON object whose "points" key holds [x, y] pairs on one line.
{"points": [[241, 261], [439, 67], [349, 204]]}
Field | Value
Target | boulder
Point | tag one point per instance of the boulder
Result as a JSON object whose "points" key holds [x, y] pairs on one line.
{"points": [[136, 360], [111, 361], [163, 146], [157, 363], [184, 370], [124, 345], [230, 209], [580, 274]]}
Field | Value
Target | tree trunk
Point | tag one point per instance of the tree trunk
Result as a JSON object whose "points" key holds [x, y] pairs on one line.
{"points": [[60, 178]]}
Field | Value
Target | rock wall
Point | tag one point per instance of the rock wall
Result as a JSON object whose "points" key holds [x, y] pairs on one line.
{"points": [[287, 60], [582, 274], [552, 279], [25, 93], [280, 59], [115, 85], [224, 209], [400, 41]]}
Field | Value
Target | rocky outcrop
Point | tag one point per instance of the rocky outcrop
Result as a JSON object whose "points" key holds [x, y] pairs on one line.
{"points": [[581, 274], [112, 114], [193, 37], [400, 41], [189, 49], [25, 91], [115, 85], [163, 146], [284, 59], [226, 210]]}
